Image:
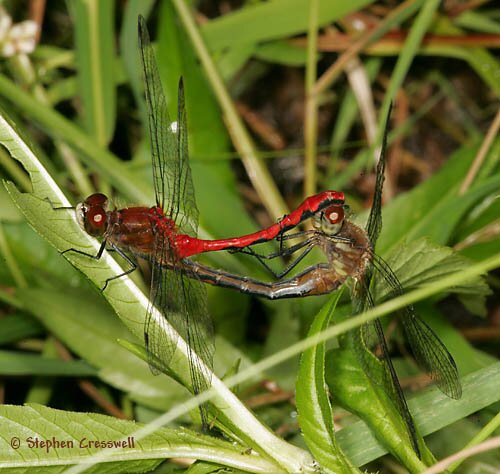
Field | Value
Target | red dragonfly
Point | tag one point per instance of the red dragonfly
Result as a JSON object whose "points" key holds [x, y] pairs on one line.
{"points": [[349, 251], [165, 234]]}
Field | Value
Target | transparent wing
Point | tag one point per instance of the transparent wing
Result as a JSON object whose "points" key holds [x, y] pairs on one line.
{"points": [[374, 224], [430, 353], [188, 221], [371, 336], [183, 303], [171, 172], [160, 336]]}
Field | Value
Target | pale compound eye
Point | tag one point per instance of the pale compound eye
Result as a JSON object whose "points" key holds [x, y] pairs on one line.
{"points": [[332, 219]]}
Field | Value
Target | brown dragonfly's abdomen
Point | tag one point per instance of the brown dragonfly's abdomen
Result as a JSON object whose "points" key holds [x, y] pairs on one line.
{"points": [[317, 280]]}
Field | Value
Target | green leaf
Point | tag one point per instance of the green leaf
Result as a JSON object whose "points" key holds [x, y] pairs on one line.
{"points": [[431, 409], [281, 52], [421, 262], [313, 405], [478, 20], [17, 363], [94, 37], [283, 333], [129, 50], [352, 389], [260, 22], [434, 208], [92, 333], [79, 430], [8, 211], [16, 327]]}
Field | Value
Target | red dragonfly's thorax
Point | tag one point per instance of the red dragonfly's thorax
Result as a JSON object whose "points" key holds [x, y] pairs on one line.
{"points": [[133, 229]]}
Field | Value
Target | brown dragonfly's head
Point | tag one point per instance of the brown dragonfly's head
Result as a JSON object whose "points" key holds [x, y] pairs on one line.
{"points": [[92, 214], [329, 220]]}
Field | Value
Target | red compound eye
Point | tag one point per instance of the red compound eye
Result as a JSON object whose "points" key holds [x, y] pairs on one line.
{"points": [[92, 214], [96, 200]]}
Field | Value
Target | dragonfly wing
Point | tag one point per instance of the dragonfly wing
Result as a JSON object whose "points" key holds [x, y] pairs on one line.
{"points": [[374, 224], [430, 353], [162, 135], [172, 179], [185, 198], [160, 333], [197, 330], [371, 336], [183, 304]]}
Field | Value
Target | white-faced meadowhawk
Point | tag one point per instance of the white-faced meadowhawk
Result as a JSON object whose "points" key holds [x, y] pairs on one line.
{"points": [[165, 235]]}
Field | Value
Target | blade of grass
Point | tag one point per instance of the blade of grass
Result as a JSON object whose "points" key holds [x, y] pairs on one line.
{"points": [[311, 109], [410, 49], [17, 363], [94, 35], [395, 17], [487, 431]]}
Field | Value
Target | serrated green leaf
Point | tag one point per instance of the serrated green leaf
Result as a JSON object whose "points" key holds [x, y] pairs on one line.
{"points": [[422, 262], [313, 405], [79, 430]]}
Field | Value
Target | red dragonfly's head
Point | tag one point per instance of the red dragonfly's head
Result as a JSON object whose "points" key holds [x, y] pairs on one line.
{"points": [[91, 214], [329, 220]]}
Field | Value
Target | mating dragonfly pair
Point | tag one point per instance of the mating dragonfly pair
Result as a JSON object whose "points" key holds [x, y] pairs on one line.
{"points": [[166, 237]]}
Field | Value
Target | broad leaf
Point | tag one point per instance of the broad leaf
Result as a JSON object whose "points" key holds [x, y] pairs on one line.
{"points": [[362, 395], [313, 404], [80, 432]]}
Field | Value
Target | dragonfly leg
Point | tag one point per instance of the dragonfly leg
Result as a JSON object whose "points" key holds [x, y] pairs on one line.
{"points": [[309, 244], [98, 255], [295, 262], [58, 208], [133, 265]]}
